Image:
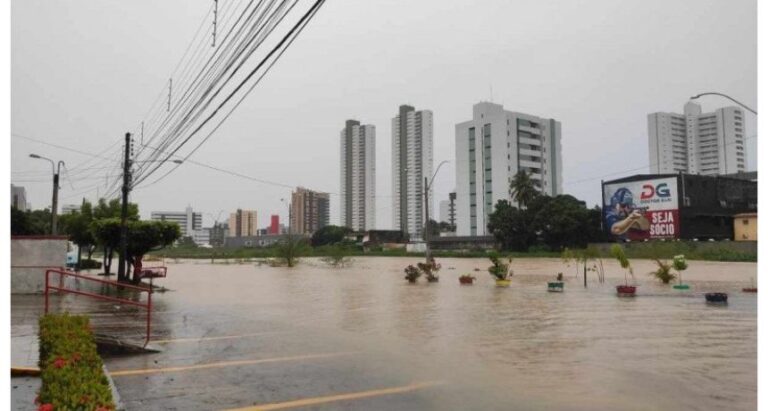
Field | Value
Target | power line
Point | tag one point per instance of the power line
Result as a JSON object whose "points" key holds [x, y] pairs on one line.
{"points": [[286, 41]]}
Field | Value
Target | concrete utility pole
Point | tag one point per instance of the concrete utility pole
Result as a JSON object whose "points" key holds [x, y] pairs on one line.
{"points": [[124, 208], [55, 198]]}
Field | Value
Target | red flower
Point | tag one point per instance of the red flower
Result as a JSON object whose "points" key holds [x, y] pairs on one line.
{"points": [[45, 407], [60, 362], [103, 408]]}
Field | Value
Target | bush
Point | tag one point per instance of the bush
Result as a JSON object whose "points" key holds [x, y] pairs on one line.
{"points": [[90, 264], [664, 272], [72, 373], [412, 273], [499, 270], [337, 256]]}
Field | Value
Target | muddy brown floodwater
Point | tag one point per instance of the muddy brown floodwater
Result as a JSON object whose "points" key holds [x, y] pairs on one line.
{"points": [[490, 348]]}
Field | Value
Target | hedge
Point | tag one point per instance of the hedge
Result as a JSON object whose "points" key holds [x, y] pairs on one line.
{"points": [[72, 372]]}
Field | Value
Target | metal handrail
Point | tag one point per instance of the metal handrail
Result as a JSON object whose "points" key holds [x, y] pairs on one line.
{"points": [[61, 288]]}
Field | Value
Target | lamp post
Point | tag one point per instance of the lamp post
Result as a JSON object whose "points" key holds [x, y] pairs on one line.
{"points": [[288, 205], [427, 186], [712, 93], [55, 200]]}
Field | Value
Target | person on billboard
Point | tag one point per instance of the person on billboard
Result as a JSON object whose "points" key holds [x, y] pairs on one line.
{"points": [[623, 215]]}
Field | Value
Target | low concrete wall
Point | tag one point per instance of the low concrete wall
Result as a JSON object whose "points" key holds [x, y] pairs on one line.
{"points": [[30, 256]]}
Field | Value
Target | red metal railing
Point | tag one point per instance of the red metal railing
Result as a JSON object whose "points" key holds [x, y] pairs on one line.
{"points": [[60, 287]]}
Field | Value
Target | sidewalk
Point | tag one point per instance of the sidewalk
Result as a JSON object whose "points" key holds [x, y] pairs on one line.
{"points": [[25, 310]]}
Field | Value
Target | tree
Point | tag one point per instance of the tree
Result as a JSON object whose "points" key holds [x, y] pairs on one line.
{"points": [[434, 228], [563, 221], [330, 234], [113, 208], [523, 189], [78, 226], [19, 222], [146, 236], [106, 232], [289, 250], [510, 227]]}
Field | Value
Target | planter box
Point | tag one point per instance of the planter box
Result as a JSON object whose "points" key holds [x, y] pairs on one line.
{"points": [[681, 286], [466, 281], [503, 283], [626, 290], [716, 298], [749, 289], [555, 286]]}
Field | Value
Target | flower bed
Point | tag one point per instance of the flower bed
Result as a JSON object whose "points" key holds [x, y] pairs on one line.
{"points": [[72, 372]]}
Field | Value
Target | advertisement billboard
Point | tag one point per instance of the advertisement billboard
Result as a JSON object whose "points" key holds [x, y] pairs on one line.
{"points": [[642, 209]]}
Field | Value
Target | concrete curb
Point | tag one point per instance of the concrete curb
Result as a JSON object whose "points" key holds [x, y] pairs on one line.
{"points": [[115, 395], [25, 372]]}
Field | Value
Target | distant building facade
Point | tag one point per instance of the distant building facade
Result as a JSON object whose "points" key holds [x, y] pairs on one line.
{"points": [[358, 176], [242, 223], [187, 220], [218, 233], [310, 211], [19, 197], [274, 224], [745, 227], [696, 142], [490, 149], [448, 210], [412, 157]]}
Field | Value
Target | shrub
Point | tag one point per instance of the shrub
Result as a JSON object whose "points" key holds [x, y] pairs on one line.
{"points": [[499, 269], [72, 373], [412, 273], [430, 270], [337, 256], [664, 272]]}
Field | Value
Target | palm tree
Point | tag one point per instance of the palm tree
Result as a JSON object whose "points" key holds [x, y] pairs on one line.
{"points": [[523, 190]]}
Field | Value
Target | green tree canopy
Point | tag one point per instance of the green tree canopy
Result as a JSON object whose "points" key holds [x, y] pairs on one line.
{"points": [[330, 234], [113, 208], [524, 192]]}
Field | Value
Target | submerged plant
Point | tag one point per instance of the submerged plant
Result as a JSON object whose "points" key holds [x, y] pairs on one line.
{"points": [[663, 272], [412, 273], [430, 270], [618, 253], [499, 270]]}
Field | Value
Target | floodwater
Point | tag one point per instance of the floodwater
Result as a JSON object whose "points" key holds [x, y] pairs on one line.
{"points": [[489, 348]]}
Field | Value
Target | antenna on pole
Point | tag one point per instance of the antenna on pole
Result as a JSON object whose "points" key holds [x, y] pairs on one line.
{"points": [[170, 88], [215, 18]]}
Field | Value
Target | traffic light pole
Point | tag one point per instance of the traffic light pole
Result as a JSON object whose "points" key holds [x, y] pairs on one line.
{"points": [[124, 209]]}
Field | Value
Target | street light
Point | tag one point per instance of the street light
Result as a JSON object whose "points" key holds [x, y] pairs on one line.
{"points": [[712, 93], [288, 205], [427, 186], [55, 200]]}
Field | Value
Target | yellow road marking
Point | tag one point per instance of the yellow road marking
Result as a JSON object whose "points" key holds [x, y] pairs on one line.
{"points": [[223, 337], [25, 372], [226, 364], [340, 397]]}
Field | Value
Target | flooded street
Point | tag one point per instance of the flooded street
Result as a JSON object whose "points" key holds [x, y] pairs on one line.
{"points": [[362, 328]]}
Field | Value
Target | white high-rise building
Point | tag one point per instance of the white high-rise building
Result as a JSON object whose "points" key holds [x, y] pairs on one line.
{"points": [[490, 149], [358, 176], [187, 220], [411, 163], [696, 142], [19, 197]]}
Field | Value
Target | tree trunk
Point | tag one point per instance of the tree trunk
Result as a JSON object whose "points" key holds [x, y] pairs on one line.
{"points": [[79, 257]]}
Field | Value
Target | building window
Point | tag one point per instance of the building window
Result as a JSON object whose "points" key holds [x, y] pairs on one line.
{"points": [[745, 222]]}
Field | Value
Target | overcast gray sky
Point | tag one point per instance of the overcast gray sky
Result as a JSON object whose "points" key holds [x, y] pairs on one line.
{"points": [[86, 72]]}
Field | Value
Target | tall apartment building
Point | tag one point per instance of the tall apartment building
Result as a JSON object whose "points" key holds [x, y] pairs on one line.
{"points": [[18, 197], [242, 223], [310, 211], [448, 209], [358, 176], [187, 220], [696, 142], [274, 224], [411, 163], [490, 149]]}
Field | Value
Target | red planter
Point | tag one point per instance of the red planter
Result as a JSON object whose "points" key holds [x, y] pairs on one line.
{"points": [[466, 281], [626, 290]]}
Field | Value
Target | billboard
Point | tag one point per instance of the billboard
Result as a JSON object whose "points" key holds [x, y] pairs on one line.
{"points": [[642, 209]]}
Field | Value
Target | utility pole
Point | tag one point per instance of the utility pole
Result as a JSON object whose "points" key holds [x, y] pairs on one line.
{"points": [[124, 209], [55, 203], [426, 217], [215, 18]]}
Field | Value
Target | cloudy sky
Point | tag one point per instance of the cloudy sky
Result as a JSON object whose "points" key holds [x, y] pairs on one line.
{"points": [[86, 72]]}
